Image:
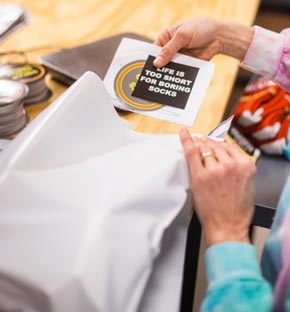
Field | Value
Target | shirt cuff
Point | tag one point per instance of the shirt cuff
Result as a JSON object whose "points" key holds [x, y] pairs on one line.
{"points": [[231, 260], [265, 52]]}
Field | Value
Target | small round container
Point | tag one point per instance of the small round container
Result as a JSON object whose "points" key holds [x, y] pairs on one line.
{"points": [[33, 75], [13, 117]]}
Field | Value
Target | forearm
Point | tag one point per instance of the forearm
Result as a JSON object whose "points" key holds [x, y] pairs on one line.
{"points": [[235, 280]]}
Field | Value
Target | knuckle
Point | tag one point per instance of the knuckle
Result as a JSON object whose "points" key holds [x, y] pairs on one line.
{"points": [[248, 164], [189, 152], [247, 167], [169, 30], [182, 34]]}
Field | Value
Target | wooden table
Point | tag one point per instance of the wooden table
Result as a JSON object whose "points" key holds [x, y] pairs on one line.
{"points": [[67, 23]]}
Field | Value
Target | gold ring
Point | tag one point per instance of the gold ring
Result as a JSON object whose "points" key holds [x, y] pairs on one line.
{"points": [[205, 154]]}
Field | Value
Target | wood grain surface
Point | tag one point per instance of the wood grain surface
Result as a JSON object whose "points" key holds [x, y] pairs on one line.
{"points": [[57, 24]]}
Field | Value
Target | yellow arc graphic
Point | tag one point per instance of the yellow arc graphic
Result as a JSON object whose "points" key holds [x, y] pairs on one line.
{"points": [[119, 82]]}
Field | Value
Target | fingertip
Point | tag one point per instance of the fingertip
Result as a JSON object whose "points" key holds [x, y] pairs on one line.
{"points": [[158, 62], [184, 133]]}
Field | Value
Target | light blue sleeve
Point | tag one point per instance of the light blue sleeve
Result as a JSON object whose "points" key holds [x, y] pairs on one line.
{"points": [[235, 281]]}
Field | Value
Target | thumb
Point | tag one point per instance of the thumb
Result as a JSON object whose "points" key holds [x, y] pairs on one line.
{"points": [[168, 51]]}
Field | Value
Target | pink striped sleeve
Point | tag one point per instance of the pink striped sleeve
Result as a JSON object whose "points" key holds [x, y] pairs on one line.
{"points": [[269, 55]]}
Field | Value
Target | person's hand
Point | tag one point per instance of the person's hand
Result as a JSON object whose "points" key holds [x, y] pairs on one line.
{"points": [[198, 38], [222, 186], [203, 38]]}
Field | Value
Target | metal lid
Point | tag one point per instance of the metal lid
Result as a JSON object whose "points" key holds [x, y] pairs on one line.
{"points": [[11, 91]]}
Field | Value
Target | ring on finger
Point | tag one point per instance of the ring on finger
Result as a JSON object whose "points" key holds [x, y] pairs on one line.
{"points": [[205, 154]]}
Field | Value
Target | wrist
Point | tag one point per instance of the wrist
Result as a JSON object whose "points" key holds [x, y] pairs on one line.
{"points": [[235, 39], [217, 237]]}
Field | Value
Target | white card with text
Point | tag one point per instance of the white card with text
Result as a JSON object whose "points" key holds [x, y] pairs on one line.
{"points": [[172, 93]]}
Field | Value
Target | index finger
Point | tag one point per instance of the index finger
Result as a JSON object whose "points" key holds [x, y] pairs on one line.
{"points": [[163, 37], [191, 151], [168, 51]]}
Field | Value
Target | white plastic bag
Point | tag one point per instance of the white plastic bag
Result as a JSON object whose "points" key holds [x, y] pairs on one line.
{"points": [[93, 215]]}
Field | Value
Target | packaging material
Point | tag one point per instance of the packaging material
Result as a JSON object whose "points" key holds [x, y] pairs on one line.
{"points": [[93, 216]]}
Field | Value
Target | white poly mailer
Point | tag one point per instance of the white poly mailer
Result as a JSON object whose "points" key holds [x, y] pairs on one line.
{"points": [[93, 216]]}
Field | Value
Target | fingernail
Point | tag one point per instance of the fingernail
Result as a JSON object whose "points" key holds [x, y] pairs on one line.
{"points": [[157, 61]]}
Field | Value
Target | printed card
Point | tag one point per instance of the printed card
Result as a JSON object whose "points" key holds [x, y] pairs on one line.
{"points": [[172, 93]]}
